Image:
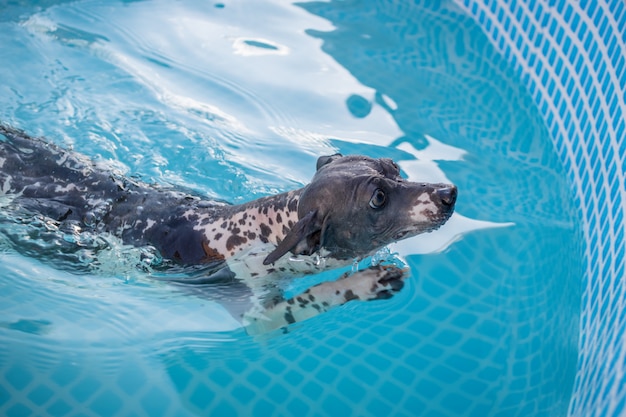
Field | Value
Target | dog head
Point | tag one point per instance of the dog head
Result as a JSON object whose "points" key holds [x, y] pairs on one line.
{"points": [[355, 205]]}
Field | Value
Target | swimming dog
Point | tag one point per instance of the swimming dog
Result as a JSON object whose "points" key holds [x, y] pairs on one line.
{"points": [[353, 206]]}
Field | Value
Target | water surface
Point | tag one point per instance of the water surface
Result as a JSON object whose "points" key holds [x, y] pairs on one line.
{"points": [[236, 100]]}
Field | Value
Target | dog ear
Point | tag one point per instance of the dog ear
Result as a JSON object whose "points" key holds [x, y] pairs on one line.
{"points": [[304, 238], [325, 160]]}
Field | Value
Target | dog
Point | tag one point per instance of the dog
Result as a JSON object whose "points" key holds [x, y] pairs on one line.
{"points": [[353, 206]]}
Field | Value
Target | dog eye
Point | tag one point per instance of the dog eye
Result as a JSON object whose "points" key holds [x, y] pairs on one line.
{"points": [[378, 199]]}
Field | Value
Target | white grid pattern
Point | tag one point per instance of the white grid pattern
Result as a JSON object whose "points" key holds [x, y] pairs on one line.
{"points": [[571, 57]]}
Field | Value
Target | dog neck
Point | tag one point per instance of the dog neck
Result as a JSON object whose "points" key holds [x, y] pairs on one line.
{"points": [[234, 230]]}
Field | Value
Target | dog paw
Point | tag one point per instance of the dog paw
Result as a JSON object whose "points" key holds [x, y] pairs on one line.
{"points": [[390, 282], [374, 283]]}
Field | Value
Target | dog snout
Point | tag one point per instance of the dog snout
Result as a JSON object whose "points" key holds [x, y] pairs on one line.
{"points": [[447, 194]]}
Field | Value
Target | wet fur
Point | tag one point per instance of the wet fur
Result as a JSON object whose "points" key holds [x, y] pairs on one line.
{"points": [[336, 218]]}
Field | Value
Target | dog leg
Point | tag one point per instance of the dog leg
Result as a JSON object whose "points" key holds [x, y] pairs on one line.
{"points": [[374, 283]]}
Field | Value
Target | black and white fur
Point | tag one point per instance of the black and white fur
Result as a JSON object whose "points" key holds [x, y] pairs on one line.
{"points": [[353, 206]]}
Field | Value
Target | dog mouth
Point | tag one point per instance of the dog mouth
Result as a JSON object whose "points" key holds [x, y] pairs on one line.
{"points": [[429, 220], [417, 230], [401, 235]]}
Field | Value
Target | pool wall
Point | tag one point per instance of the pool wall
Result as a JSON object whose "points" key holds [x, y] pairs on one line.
{"points": [[570, 55]]}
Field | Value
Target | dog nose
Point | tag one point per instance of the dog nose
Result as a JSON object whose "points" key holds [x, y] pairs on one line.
{"points": [[447, 194]]}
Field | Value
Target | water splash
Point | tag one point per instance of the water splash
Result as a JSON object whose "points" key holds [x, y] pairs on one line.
{"points": [[383, 255], [355, 266]]}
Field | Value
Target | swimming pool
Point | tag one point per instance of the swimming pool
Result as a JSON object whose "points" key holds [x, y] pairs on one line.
{"points": [[236, 100]]}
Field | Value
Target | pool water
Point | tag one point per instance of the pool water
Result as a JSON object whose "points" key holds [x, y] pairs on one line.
{"points": [[236, 100]]}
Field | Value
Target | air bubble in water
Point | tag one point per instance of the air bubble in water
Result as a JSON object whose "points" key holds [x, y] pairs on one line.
{"points": [[355, 266], [381, 256]]}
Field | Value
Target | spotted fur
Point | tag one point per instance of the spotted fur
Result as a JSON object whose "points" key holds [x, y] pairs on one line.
{"points": [[353, 206]]}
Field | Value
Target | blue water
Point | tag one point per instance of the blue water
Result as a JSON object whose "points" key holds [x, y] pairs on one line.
{"points": [[236, 100]]}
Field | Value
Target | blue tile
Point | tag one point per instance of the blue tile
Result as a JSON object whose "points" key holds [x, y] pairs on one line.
{"points": [[352, 389], [201, 396], [221, 377], [567, 14], [582, 31], [224, 408], [39, 396], [335, 406], [327, 374], [106, 404], [313, 390], [85, 389], [59, 408], [243, 394], [297, 407], [427, 388], [575, 21], [18, 376], [457, 403], [261, 408], [177, 373], [590, 8], [463, 364], [274, 366], [19, 410], [260, 379], [278, 394]]}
